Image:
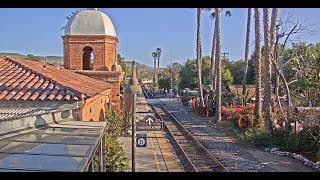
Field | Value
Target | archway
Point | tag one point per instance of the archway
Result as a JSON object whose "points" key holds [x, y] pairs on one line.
{"points": [[87, 58]]}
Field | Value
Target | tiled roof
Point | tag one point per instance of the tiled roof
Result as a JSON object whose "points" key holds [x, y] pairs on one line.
{"points": [[11, 114], [31, 80]]}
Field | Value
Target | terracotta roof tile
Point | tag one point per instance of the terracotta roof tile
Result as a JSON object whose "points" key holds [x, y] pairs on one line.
{"points": [[30, 80]]}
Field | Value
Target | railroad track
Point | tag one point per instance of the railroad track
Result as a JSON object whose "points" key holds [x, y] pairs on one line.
{"points": [[194, 156]]}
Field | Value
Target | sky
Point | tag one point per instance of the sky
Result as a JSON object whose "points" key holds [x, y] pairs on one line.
{"points": [[139, 30]]}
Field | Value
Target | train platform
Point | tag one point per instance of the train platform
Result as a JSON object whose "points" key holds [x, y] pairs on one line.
{"points": [[158, 156]]}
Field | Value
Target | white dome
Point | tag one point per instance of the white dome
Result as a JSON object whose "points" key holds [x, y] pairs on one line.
{"points": [[90, 22]]}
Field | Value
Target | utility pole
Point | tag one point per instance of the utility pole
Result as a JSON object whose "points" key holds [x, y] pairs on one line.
{"points": [[171, 72], [224, 54], [126, 48]]}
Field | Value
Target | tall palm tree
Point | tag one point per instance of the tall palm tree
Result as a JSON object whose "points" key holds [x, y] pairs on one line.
{"points": [[158, 51], [70, 16], [244, 82], [199, 56], [154, 55], [218, 64], [267, 73], [257, 109], [212, 67], [272, 32]]}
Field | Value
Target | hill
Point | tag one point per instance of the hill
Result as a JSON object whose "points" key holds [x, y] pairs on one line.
{"points": [[56, 60], [146, 72], [143, 70], [13, 55]]}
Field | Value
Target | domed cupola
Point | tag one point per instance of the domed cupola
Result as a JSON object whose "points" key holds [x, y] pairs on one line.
{"points": [[90, 22], [90, 41]]}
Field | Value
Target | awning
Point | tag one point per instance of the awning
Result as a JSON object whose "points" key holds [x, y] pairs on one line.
{"points": [[67, 145]]}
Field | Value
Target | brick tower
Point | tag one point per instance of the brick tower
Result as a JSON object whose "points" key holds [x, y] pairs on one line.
{"points": [[90, 48]]}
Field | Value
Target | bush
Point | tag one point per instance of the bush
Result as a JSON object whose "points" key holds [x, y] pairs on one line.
{"points": [[116, 160], [202, 111], [185, 99]]}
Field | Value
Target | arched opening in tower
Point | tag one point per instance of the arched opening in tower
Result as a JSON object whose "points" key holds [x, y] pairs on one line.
{"points": [[87, 58]]}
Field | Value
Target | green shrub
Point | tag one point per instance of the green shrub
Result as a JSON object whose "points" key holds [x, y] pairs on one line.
{"points": [[185, 99], [116, 160]]}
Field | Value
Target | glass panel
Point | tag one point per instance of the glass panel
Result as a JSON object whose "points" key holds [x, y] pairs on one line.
{"points": [[71, 131], [3, 143], [83, 123], [49, 149], [27, 161], [54, 138]]}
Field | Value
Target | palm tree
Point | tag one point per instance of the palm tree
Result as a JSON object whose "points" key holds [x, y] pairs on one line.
{"points": [[70, 16], [257, 109], [218, 64], [268, 59], [212, 67], [199, 58], [154, 55], [158, 51], [244, 82], [267, 73]]}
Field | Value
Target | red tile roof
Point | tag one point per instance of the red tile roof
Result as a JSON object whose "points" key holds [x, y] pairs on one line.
{"points": [[31, 80]]}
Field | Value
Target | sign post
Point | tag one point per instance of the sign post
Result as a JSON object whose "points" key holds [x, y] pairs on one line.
{"points": [[141, 140]]}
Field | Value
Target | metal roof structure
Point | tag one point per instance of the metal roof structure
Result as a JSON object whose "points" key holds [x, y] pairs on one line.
{"points": [[48, 140], [66, 146], [11, 114]]}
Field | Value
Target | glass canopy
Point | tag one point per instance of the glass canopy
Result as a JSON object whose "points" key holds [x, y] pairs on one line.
{"points": [[66, 146]]}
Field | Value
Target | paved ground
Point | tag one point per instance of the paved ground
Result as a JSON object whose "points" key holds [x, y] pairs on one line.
{"points": [[158, 155], [148, 159], [234, 155]]}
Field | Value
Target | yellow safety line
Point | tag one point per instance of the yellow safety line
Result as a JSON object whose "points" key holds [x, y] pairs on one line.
{"points": [[155, 155]]}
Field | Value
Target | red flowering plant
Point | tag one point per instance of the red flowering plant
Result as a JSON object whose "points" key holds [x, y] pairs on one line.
{"points": [[246, 117], [231, 113]]}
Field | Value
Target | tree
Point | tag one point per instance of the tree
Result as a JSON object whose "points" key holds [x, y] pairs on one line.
{"points": [[158, 52], [218, 65], [155, 79], [188, 75], [267, 71], [212, 71], [32, 57], [306, 79], [226, 77], [244, 82], [175, 72], [286, 27], [257, 109], [156, 56], [199, 56], [70, 16]]}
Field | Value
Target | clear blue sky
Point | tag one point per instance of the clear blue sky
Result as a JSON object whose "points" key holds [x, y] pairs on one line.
{"points": [[37, 31]]}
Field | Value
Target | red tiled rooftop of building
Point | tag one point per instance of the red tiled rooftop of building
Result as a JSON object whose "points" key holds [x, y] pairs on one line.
{"points": [[30, 80]]}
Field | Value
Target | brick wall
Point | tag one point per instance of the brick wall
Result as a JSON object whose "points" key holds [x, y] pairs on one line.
{"points": [[104, 49], [94, 108]]}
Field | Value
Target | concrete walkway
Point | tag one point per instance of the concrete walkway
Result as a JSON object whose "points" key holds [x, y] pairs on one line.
{"points": [[148, 159], [158, 155]]}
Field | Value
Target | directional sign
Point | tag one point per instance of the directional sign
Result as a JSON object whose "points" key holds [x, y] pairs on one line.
{"points": [[141, 140], [149, 123], [149, 120]]}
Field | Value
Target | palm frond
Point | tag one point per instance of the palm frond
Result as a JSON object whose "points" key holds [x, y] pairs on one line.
{"points": [[213, 15], [228, 14]]}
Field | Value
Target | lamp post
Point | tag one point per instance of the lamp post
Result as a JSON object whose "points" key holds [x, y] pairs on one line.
{"points": [[134, 89]]}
